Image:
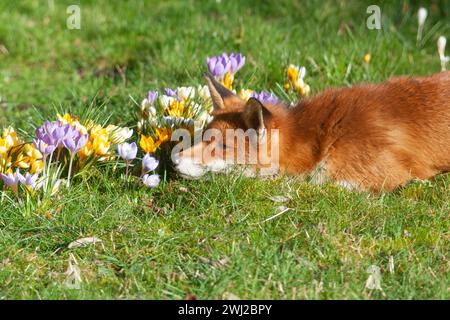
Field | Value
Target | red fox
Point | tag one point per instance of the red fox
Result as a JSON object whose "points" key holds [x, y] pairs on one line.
{"points": [[373, 137]]}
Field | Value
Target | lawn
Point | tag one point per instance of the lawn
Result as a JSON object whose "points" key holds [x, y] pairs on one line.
{"points": [[211, 238]]}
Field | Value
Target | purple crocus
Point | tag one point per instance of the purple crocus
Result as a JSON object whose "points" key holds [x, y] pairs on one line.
{"points": [[12, 180], [265, 97], [128, 152], [74, 141], [151, 181], [53, 133], [237, 61], [43, 147], [29, 180], [152, 96], [170, 92], [218, 66], [149, 163]]}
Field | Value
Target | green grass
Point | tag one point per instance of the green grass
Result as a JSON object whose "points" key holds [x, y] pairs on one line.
{"points": [[211, 241]]}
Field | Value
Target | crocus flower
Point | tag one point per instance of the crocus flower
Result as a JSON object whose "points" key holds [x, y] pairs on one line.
{"points": [[29, 180], [421, 17], [53, 133], [9, 140], [265, 97], [12, 180], [148, 144], [74, 141], [127, 151], [166, 101], [152, 96], [218, 66], [149, 163], [148, 102], [151, 181], [204, 117], [170, 92], [185, 93], [203, 92], [43, 148], [295, 75], [441, 43], [119, 134], [237, 61], [245, 94]]}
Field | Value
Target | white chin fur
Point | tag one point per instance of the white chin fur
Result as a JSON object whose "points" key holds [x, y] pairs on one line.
{"points": [[217, 166], [189, 169]]}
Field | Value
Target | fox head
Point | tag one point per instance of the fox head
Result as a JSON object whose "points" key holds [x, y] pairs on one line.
{"points": [[240, 133]]}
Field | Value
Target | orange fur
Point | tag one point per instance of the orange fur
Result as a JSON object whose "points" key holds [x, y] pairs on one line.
{"points": [[371, 137]]}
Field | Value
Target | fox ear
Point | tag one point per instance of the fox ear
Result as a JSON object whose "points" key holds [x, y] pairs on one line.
{"points": [[221, 96], [254, 115]]}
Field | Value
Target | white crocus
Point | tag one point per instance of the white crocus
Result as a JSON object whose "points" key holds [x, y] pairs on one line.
{"points": [[421, 17], [301, 75], [166, 101], [441, 43], [305, 87], [186, 93], [203, 92], [145, 103], [204, 117], [120, 135]]}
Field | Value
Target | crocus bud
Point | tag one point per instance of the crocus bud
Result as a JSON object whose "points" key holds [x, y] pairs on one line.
{"points": [[139, 126], [442, 41], [422, 16]]}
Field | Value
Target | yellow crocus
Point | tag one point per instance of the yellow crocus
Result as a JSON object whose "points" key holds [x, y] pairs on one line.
{"points": [[295, 75], [73, 121], [5, 163], [3, 147], [176, 109], [163, 135], [99, 138], [287, 87], [36, 166], [292, 73], [66, 118], [101, 145], [31, 151], [86, 151], [245, 94], [98, 143], [29, 158], [227, 81], [147, 144], [10, 139], [22, 161]]}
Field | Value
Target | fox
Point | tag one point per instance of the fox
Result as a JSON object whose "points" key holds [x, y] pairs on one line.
{"points": [[374, 137]]}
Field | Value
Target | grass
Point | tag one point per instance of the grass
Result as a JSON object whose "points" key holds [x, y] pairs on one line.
{"points": [[211, 241]]}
